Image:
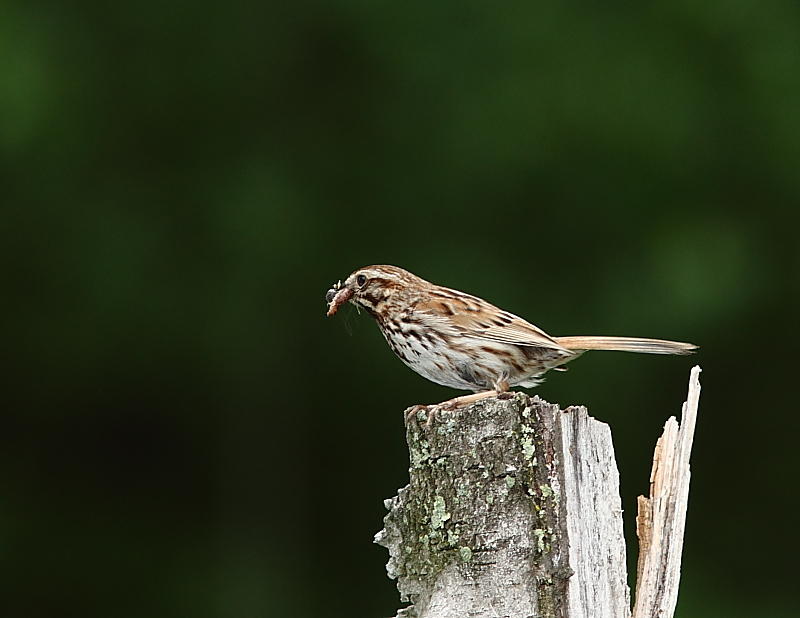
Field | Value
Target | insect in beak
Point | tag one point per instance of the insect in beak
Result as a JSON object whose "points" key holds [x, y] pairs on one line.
{"points": [[336, 297], [332, 292]]}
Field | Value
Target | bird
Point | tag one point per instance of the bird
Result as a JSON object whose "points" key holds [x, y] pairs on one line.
{"points": [[464, 342]]}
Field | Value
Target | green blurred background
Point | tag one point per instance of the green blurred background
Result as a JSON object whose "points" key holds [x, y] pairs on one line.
{"points": [[185, 434]]}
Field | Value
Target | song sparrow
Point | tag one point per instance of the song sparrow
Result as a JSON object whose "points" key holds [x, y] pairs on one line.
{"points": [[464, 342]]}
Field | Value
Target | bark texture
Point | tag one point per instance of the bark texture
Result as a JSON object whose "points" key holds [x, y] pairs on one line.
{"points": [[512, 509]]}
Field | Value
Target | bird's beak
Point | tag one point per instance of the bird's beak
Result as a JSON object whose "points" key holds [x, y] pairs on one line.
{"points": [[337, 296]]}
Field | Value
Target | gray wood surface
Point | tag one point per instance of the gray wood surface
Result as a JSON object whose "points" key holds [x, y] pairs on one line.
{"points": [[513, 510]]}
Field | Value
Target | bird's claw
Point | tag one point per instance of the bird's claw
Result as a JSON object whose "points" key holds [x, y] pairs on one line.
{"points": [[432, 411], [414, 411], [431, 415]]}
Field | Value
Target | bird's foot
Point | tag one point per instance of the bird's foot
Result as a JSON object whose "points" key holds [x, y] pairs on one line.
{"points": [[415, 410], [431, 411], [425, 415]]}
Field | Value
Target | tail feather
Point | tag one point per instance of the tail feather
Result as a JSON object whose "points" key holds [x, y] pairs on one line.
{"points": [[626, 344]]}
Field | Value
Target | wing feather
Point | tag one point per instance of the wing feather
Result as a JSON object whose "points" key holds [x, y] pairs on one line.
{"points": [[465, 315]]}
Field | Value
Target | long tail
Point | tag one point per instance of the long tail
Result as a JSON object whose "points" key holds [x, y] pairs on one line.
{"points": [[626, 344]]}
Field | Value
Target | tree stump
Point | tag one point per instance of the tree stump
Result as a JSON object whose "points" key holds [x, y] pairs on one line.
{"points": [[513, 509]]}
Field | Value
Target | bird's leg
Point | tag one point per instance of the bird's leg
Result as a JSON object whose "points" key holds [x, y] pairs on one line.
{"points": [[501, 384], [453, 404], [450, 404], [457, 402], [501, 388]]}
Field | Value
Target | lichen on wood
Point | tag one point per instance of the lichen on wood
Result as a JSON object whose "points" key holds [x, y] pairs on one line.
{"points": [[513, 510], [481, 529]]}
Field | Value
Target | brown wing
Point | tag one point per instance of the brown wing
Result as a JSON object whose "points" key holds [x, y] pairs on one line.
{"points": [[462, 314]]}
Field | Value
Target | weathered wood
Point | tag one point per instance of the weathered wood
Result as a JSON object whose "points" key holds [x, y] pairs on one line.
{"points": [[599, 586], [662, 517], [513, 510]]}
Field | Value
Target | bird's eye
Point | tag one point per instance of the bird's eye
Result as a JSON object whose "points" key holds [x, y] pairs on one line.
{"points": [[361, 280]]}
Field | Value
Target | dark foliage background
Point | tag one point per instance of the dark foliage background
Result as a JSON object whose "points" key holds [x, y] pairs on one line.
{"points": [[184, 434]]}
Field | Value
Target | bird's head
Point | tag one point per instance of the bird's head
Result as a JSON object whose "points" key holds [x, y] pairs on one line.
{"points": [[370, 287]]}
